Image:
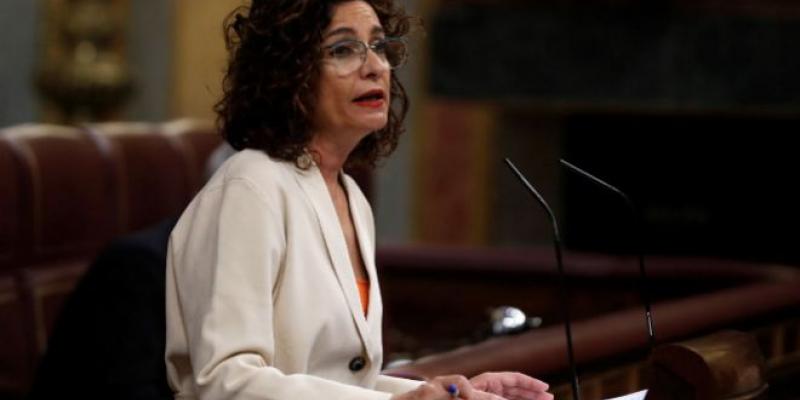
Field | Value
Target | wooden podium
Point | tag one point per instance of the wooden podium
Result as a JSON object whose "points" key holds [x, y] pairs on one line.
{"points": [[726, 365], [695, 361]]}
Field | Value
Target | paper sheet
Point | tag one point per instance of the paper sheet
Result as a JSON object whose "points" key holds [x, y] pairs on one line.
{"points": [[632, 396]]}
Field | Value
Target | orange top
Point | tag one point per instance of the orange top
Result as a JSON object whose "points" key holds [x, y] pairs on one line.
{"points": [[363, 292]]}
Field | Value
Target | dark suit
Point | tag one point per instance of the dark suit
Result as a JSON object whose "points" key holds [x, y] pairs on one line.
{"points": [[109, 339]]}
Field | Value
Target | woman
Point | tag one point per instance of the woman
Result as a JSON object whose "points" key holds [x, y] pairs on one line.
{"points": [[271, 283]]}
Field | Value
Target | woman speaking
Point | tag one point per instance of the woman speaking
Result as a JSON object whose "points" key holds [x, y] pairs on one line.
{"points": [[272, 290]]}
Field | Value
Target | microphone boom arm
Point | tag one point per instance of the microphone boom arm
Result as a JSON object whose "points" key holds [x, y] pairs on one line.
{"points": [[636, 215], [576, 394]]}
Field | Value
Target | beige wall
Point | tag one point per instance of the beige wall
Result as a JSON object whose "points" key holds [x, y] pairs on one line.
{"points": [[199, 56]]}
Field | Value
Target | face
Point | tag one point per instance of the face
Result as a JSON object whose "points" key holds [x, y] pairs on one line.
{"points": [[356, 102]]}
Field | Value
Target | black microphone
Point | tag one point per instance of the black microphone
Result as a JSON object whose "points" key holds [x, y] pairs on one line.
{"points": [[576, 393], [638, 233]]}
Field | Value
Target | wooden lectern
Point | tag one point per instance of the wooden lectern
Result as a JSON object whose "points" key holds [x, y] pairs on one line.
{"points": [[726, 365]]}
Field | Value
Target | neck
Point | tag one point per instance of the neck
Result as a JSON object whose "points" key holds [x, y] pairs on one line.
{"points": [[330, 152]]}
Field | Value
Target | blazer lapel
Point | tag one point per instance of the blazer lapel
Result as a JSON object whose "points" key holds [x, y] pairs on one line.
{"points": [[366, 238], [314, 187]]}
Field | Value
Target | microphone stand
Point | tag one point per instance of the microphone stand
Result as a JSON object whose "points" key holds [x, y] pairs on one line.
{"points": [[643, 281], [576, 395]]}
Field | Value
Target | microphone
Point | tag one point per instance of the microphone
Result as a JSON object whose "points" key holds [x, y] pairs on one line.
{"points": [[576, 394], [643, 282]]}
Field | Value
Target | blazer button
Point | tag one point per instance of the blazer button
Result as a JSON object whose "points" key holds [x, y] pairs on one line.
{"points": [[357, 364]]}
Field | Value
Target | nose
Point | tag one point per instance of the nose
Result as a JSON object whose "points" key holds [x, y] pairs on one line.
{"points": [[374, 66]]}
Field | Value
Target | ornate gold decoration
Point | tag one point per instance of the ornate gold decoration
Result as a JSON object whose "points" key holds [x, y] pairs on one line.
{"points": [[83, 73]]}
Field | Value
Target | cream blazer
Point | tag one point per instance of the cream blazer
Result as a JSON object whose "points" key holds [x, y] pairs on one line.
{"points": [[262, 301]]}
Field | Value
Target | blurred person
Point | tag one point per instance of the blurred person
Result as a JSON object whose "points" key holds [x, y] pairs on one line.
{"points": [[271, 286], [109, 336], [108, 340]]}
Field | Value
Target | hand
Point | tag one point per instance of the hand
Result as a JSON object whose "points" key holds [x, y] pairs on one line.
{"points": [[512, 386], [436, 389]]}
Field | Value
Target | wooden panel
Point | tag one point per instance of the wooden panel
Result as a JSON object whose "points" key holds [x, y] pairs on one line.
{"points": [[477, 280], [616, 339], [452, 202], [199, 57], [725, 365]]}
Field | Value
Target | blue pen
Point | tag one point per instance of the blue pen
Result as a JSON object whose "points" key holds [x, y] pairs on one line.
{"points": [[453, 390]]}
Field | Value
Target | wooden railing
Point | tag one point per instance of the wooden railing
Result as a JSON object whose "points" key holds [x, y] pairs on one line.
{"points": [[611, 349]]}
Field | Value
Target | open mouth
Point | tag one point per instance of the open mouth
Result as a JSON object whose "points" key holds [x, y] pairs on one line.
{"points": [[370, 97]]}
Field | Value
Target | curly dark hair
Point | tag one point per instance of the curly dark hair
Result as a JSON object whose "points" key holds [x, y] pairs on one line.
{"points": [[270, 84]]}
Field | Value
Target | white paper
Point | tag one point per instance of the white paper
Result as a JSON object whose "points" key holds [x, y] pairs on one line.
{"points": [[632, 396]]}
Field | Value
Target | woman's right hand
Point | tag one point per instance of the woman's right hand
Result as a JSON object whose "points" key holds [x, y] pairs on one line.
{"points": [[436, 389]]}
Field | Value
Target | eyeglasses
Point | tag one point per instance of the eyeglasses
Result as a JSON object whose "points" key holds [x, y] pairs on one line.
{"points": [[349, 55]]}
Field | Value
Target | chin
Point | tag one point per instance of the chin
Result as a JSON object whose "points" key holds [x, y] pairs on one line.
{"points": [[375, 124]]}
